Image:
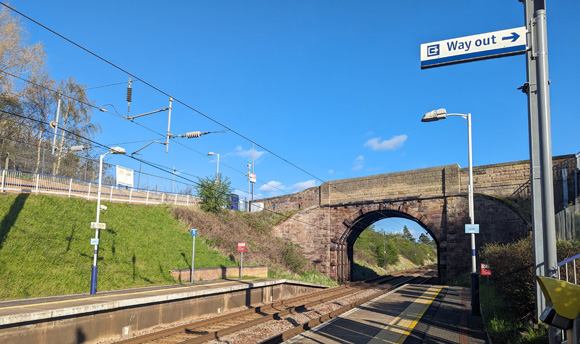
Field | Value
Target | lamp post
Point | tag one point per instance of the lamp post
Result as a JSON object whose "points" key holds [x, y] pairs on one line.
{"points": [[436, 115], [218, 164], [248, 174], [97, 225]]}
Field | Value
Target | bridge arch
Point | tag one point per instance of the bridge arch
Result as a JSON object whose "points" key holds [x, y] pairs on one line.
{"points": [[333, 214], [359, 224]]}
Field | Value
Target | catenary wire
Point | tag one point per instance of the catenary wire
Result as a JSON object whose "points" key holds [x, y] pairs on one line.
{"points": [[143, 161], [166, 94]]}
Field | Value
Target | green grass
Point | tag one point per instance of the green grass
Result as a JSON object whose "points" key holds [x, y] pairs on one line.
{"points": [[502, 325], [310, 277], [45, 246]]}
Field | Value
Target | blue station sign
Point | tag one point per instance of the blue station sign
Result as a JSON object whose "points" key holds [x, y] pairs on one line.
{"points": [[471, 48], [472, 229]]}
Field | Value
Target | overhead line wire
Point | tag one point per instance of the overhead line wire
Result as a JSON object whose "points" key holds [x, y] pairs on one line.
{"points": [[168, 95], [159, 90], [144, 161]]}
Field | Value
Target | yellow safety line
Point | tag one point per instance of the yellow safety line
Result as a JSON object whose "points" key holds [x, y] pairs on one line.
{"points": [[108, 296], [400, 328], [407, 332]]}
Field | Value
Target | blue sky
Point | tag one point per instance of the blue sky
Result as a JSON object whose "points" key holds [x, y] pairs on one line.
{"points": [[334, 87]]}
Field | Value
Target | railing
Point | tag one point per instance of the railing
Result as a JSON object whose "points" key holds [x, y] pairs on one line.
{"points": [[26, 182], [568, 274]]}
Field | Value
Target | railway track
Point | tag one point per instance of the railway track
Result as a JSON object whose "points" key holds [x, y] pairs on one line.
{"points": [[282, 320]]}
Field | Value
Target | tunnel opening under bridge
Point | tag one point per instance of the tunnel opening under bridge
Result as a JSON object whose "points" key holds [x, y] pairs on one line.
{"points": [[376, 244]]}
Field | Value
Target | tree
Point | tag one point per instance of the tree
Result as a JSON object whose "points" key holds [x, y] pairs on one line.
{"points": [[76, 114], [16, 56], [424, 239], [213, 192], [407, 234]]}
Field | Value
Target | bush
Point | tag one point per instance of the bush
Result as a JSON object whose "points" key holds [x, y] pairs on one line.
{"points": [[513, 271]]}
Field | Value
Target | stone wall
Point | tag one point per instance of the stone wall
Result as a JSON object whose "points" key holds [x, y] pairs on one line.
{"points": [[205, 274], [300, 200], [512, 179], [423, 183]]}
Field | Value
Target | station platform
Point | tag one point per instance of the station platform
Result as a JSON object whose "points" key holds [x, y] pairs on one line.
{"points": [[85, 318], [411, 314]]}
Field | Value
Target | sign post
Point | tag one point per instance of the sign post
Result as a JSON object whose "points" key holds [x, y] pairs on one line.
{"points": [[241, 249], [193, 234]]}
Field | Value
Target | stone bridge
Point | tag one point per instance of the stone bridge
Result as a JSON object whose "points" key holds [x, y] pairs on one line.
{"points": [[334, 214]]}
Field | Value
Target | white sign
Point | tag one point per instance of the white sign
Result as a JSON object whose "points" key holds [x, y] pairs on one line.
{"points": [[98, 225], [124, 176], [94, 241], [471, 229], [255, 207], [476, 47], [252, 177]]}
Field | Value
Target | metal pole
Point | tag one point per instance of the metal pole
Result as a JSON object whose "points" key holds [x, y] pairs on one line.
{"points": [[242, 264], [218, 166], [248, 198], [545, 144], [470, 194], [192, 258], [474, 275], [94, 269], [168, 126], [535, 172], [385, 249], [541, 52], [56, 126]]}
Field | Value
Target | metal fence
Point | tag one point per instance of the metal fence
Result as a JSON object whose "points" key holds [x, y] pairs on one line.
{"points": [[27, 182]]}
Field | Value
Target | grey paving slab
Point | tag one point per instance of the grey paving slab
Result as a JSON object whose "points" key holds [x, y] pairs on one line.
{"points": [[410, 315]]}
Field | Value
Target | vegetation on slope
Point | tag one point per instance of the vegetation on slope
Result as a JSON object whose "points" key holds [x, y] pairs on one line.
{"points": [[508, 297], [45, 246], [376, 253]]}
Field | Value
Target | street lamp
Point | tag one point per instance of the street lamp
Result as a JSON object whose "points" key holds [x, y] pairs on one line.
{"points": [[97, 225], [436, 115], [218, 164]]}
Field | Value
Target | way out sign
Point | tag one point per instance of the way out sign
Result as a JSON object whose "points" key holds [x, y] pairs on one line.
{"points": [[241, 247], [475, 47]]}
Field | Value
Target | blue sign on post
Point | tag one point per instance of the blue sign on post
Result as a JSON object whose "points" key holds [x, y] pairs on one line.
{"points": [[471, 229], [475, 47], [194, 232]]}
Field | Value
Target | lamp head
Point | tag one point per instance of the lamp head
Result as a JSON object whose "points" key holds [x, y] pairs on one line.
{"points": [[434, 115], [118, 150], [77, 148], [211, 153]]}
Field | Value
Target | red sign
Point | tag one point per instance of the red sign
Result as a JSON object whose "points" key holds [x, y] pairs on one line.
{"points": [[241, 246], [485, 270]]}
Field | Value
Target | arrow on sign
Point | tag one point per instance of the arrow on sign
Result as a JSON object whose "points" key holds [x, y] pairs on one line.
{"points": [[514, 37]]}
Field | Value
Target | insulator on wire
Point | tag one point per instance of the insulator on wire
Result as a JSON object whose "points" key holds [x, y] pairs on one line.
{"points": [[193, 134], [129, 94]]}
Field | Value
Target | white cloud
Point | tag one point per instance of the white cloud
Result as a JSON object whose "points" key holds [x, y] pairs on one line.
{"points": [[303, 185], [247, 154], [272, 186], [358, 163], [331, 171], [393, 143]]}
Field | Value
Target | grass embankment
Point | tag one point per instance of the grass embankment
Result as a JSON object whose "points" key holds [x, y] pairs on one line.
{"points": [[45, 245]]}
